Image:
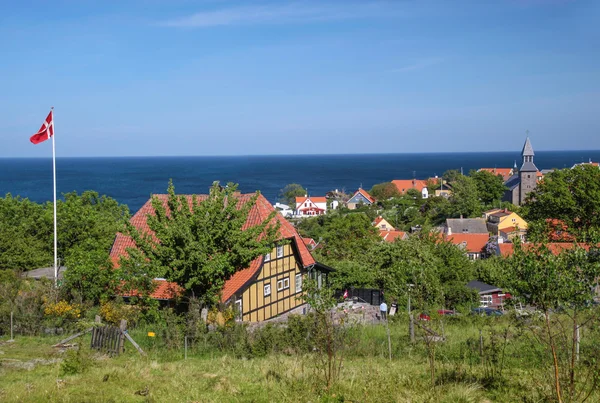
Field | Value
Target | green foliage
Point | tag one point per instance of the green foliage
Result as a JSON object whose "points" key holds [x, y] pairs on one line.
{"points": [[90, 276], [465, 198], [289, 193], [76, 361], [490, 187], [25, 241], [451, 175], [87, 223], [347, 237], [202, 245], [571, 195], [384, 191], [438, 270]]}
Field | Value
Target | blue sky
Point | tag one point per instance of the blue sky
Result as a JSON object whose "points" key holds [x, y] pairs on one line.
{"points": [[182, 77]]}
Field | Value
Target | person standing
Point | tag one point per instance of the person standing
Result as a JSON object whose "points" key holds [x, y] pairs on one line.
{"points": [[383, 310]]}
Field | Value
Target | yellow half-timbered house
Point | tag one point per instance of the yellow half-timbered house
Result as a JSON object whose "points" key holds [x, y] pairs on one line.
{"points": [[272, 285]]}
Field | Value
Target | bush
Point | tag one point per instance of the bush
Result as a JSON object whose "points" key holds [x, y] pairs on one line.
{"points": [[76, 362]]}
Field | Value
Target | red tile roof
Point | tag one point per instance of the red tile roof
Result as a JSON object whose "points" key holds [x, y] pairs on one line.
{"points": [[309, 242], [163, 290], [404, 184], [505, 173], [259, 212], [391, 236], [474, 243], [314, 199], [508, 249]]}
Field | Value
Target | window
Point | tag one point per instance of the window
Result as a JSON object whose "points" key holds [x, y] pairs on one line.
{"points": [[280, 251], [238, 310], [283, 284], [485, 300], [298, 282], [267, 290]]}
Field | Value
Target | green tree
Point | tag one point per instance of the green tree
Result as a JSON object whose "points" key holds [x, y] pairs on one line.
{"points": [[200, 243], [464, 200], [24, 235], [557, 282], [384, 191], [90, 276], [87, 221], [289, 193], [347, 237], [490, 187], [451, 175], [570, 195]]}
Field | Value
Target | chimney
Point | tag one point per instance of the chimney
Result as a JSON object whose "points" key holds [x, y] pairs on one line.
{"points": [[461, 216], [449, 231]]}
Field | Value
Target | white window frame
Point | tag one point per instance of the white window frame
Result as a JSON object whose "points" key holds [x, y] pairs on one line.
{"points": [[239, 312], [298, 282], [267, 290], [279, 251], [267, 257]]}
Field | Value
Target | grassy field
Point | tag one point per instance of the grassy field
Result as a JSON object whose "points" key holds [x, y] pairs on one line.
{"points": [[32, 370]]}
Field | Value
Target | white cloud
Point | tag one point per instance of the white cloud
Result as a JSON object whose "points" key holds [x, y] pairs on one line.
{"points": [[282, 14], [419, 65]]}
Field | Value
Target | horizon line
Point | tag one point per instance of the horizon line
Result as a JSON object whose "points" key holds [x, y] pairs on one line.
{"points": [[298, 155]]}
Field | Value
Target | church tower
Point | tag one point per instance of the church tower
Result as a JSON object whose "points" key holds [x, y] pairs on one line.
{"points": [[527, 173]]}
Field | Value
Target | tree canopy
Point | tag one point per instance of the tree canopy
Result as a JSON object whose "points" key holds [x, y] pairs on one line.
{"points": [[289, 193], [384, 191], [465, 198], [570, 195], [200, 244], [490, 187]]}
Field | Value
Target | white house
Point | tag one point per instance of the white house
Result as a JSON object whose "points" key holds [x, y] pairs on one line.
{"points": [[283, 209], [309, 206]]}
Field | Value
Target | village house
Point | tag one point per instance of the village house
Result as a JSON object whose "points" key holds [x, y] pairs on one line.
{"points": [[309, 206], [382, 224], [360, 197], [465, 226], [505, 223], [404, 185], [270, 286], [472, 244], [489, 296], [392, 235]]}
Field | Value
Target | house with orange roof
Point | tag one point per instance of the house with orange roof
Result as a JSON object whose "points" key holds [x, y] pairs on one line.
{"points": [[270, 286], [504, 173], [309, 206], [382, 224], [473, 244], [360, 197], [404, 185], [392, 235]]}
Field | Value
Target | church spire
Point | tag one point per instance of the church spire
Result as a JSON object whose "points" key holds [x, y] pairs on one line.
{"points": [[528, 165]]}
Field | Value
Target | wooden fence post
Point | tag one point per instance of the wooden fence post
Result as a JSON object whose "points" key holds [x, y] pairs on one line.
{"points": [[123, 327]]}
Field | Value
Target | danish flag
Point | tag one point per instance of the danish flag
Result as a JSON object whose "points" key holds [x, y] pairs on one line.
{"points": [[45, 132]]}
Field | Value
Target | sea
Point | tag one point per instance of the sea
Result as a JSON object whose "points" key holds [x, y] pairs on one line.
{"points": [[131, 180]]}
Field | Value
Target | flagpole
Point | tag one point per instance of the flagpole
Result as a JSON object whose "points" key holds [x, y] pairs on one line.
{"points": [[54, 178]]}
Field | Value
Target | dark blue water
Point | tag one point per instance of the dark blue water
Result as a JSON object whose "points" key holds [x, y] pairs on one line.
{"points": [[132, 180]]}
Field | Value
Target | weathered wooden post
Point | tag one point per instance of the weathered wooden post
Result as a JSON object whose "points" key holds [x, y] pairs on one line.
{"points": [[11, 326], [123, 327]]}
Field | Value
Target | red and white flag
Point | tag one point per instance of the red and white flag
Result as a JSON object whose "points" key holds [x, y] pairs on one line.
{"points": [[45, 132], [345, 294]]}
